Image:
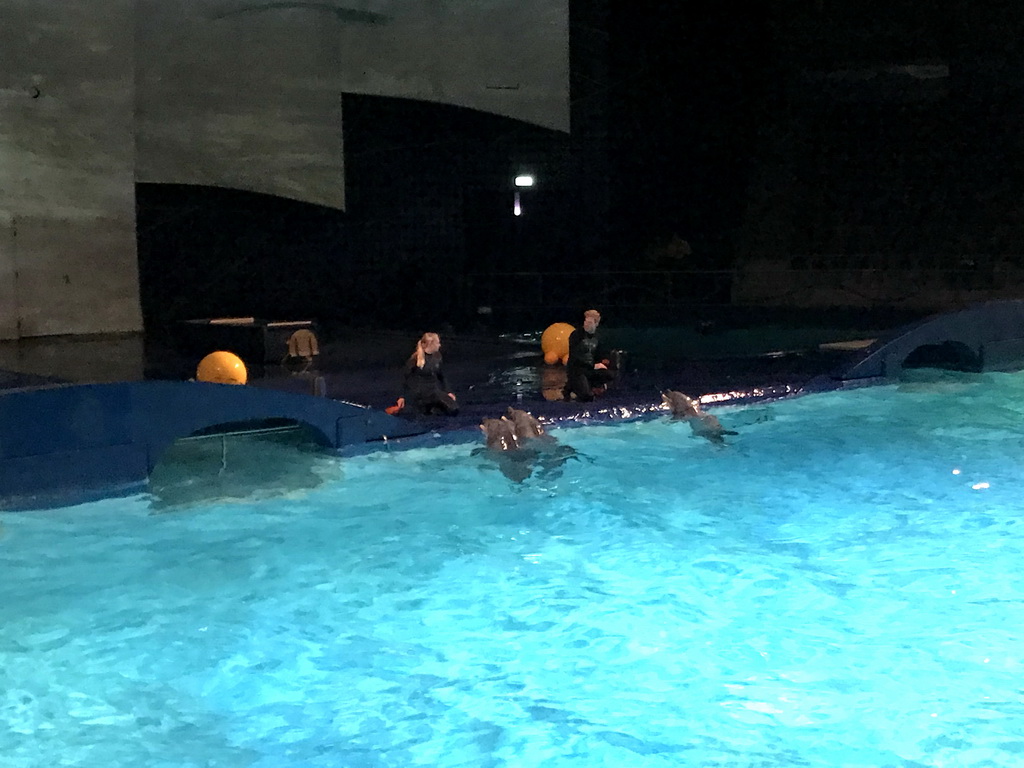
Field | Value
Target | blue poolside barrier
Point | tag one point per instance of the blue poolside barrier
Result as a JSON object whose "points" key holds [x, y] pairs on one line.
{"points": [[64, 444], [987, 336]]}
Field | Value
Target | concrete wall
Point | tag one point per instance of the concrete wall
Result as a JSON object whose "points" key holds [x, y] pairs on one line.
{"points": [[96, 95], [247, 94], [67, 157]]}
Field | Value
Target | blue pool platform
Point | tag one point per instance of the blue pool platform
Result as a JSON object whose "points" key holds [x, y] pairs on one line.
{"points": [[988, 336], [64, 441], [93, 440]]}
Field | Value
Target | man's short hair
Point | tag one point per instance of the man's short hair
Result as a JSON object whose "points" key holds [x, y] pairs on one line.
{"points": [[592, 313]]}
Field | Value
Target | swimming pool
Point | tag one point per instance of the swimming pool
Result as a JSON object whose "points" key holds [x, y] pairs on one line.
{"points": [[839, 585]]}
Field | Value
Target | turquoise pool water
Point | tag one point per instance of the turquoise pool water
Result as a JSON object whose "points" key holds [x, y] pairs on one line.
{"points": [[841, 585]]}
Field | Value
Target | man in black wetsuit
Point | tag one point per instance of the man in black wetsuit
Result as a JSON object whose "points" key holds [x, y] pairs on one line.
{"points": [[426, 389], [583, 372]]}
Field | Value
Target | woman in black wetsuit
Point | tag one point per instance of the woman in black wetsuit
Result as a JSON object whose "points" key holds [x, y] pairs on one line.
{"points": [[426, 389]]}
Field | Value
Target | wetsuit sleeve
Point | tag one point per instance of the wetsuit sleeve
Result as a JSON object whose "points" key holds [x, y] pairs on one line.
{"points": [[574, 342], [409, 374], [406, 378]]}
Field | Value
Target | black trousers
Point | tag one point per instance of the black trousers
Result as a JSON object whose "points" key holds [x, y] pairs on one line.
{"points": [[428, 401], [582, 381]]}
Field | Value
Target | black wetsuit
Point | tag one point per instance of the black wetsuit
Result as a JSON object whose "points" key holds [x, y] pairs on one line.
{"points": [[426, 389], [581, 376]]}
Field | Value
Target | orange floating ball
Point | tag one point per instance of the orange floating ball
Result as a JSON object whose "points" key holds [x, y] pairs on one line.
{"points": [[222, 368], [555, 339]]}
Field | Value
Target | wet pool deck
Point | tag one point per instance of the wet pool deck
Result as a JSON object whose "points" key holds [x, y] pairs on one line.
{"points": [[487, 371], [489, 375]]}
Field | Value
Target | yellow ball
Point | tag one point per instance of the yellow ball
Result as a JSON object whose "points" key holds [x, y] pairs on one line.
{"points": [[551, 358], [222, 368], [555, 340]]}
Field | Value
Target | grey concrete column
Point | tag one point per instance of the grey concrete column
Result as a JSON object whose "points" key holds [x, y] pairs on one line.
{"points": [[68, 262]]}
